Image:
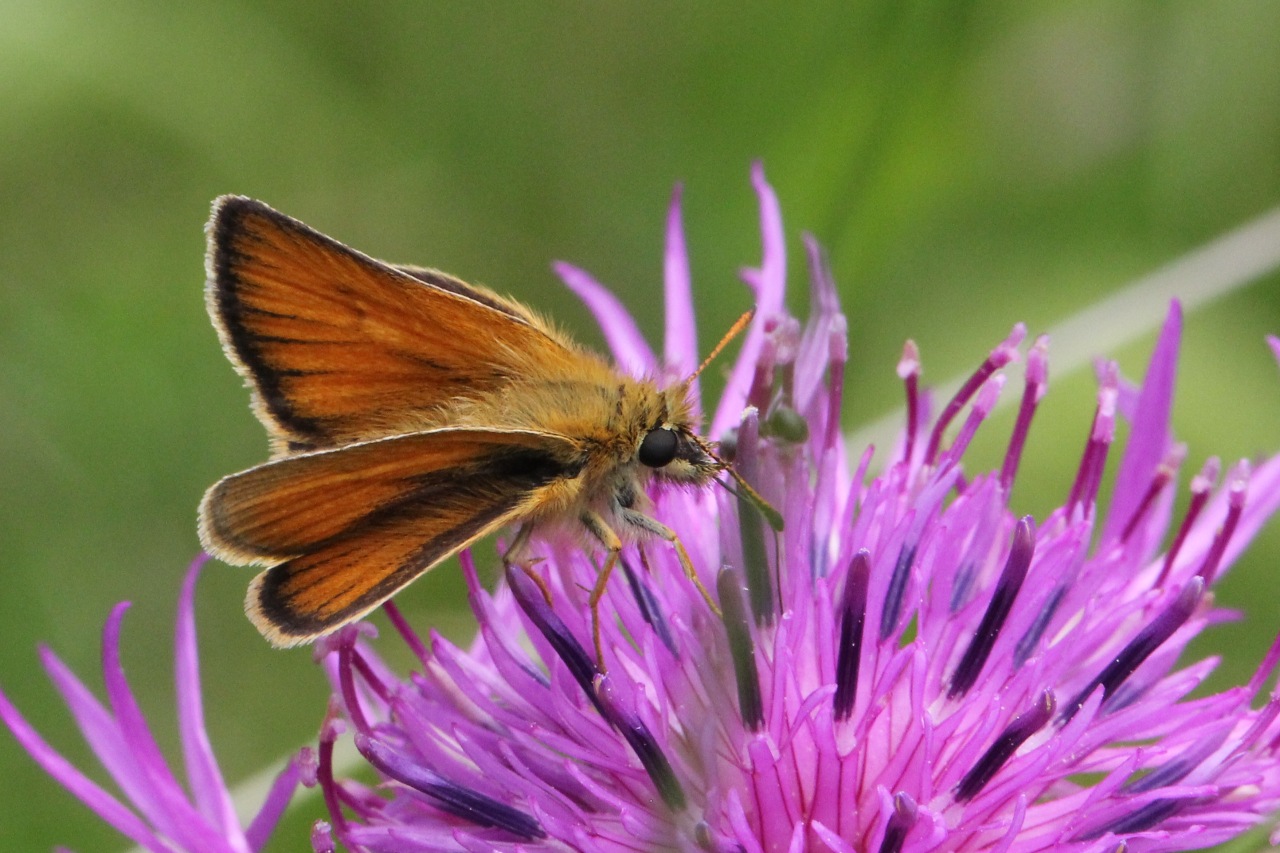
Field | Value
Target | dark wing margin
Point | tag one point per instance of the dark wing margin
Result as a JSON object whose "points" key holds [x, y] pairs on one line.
{"points": [[483, 295], [348, 528], [338, 347]]}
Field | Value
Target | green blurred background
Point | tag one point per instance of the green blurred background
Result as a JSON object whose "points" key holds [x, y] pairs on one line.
{"points": [[966, 165]]}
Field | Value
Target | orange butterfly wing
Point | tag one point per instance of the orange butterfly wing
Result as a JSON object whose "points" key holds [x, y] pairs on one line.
{"points": [[338, 347], [348, 528]]}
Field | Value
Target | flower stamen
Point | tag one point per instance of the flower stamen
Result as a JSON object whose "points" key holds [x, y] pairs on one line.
{"points": [[406, 632], [329, 789], [1006, 592], [1006, 744], [741, 647], [1005, 353], [1201, 485], [1139, 648], [905, 813], [471, 806], [988, 396], [647, 602], [909, 373], [598, 688], [1094, 459], [1037, 379], [755, 558], [642, 743], [853, 615], [566, 646], [1237, 486], [1165, 472]]}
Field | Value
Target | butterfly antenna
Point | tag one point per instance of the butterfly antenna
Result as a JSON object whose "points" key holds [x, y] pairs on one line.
{"points": [[744, 492], [734, 331]]}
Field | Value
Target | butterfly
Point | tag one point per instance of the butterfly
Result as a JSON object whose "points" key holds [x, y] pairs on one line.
{"points": [[411, 414]]}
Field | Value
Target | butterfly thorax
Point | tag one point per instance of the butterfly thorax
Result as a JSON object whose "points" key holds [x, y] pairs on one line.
{"points": [[607, 416]]}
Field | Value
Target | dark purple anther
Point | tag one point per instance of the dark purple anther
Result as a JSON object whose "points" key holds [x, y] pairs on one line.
{"points": [[853, 615], [1139, 648], [456, 800], [1006, 592], [1006, 744], [905, 813]]}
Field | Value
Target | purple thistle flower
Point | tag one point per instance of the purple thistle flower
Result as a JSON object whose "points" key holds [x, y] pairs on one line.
{"points": [[909, 665], [164, 817]]}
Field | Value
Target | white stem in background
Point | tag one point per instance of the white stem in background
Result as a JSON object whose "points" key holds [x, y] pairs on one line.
{"points": [[1217, 268]]}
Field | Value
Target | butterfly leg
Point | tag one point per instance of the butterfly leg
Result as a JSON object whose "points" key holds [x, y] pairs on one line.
{"points": [[514, 556], [606, 536], [657, 528]]}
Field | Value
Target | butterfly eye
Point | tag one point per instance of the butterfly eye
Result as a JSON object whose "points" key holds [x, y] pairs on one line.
{"points": [[658, 447]]}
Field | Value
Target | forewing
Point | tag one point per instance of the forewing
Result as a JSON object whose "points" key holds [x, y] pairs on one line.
{"points": [[475, 292], [339, 347], [348, 528]]}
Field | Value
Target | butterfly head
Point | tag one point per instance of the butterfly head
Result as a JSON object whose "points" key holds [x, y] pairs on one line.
{"points": [[671, 447], [677, 454]]}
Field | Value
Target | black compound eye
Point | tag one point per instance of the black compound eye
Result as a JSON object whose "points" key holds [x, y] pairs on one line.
{"points": [[658, 447]]}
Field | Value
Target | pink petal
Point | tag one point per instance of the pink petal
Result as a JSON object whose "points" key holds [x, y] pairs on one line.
{"points": [[1150, 436], [102, 803], [277, 800], [102, 733], [681, 339], [208, 788], [630, 350], [769, 284], [173, 815]]}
